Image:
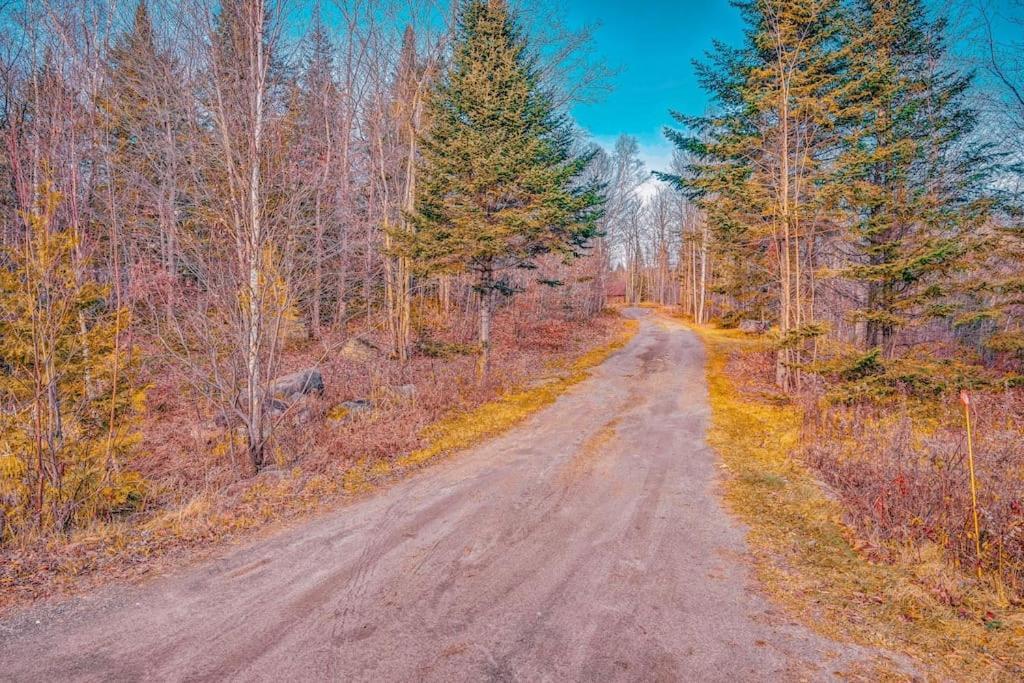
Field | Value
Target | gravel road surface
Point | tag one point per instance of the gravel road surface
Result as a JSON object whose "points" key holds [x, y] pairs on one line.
{"points": [[586, 544]]}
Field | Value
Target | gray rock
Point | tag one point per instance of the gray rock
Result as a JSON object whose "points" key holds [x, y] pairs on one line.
{"points": [[754, 326], [294, 386], [361, 350], [275, 408], [282, 394]]}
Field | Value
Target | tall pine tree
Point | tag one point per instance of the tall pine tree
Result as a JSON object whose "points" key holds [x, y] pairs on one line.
{"points": [[758, 160], [499, 184], [910, 181]]}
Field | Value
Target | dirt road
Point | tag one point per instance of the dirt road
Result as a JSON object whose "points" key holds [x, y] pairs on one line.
{"points": [[587, 544]]}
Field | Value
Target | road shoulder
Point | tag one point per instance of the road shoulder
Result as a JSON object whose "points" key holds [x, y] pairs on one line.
{"points": [[804, 555]]}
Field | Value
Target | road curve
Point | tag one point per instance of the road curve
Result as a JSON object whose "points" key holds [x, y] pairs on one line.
{"points": [[586, 544]]}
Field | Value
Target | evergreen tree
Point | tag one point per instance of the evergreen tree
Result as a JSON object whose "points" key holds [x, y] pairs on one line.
{"points": [[144, 124], [910, 179], [315, 104], [758, 164], [499, 185]]}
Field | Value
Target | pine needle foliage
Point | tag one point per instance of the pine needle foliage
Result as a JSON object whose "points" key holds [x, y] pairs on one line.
{"points": [[842, 152], [911, 181], [759, 161], [500, 183]]}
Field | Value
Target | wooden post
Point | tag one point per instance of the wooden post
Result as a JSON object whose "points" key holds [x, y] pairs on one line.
{"points": [[965, 398]]}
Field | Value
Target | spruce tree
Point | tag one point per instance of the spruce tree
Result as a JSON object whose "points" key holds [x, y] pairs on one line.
{"points": [[909, 182], [141, 115], [499, 184], [758, 166]]}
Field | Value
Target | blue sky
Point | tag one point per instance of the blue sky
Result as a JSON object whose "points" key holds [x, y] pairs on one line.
{"points": [[654, 43]]}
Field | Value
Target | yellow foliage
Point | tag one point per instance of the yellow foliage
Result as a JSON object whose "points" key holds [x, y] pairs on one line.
{"points": [[228, 442], [123, 492], [355, 479], [70, 421], [338, 413]]}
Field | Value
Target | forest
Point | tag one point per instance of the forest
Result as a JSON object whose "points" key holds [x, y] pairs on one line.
{"points": [[858, 183], [228, 246], [255, 257]]}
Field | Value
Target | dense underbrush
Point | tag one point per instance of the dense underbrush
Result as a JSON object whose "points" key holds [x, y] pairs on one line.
{"points": [[899, 465], [903, 475]]}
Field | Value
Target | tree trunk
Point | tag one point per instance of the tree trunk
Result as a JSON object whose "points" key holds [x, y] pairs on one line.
{"points": [[444, 294], [318, 271], [703, 285], [486, 297]]}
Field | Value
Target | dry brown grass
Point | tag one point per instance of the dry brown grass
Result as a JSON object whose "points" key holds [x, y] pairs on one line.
{"points": [[810, 559], [903, 476]]}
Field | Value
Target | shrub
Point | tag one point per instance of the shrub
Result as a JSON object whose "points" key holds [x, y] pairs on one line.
{"points": [[67, 420]]}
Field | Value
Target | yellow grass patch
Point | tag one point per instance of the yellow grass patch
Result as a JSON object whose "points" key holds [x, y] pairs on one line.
{"points": [[465, 429], [806, 559]]}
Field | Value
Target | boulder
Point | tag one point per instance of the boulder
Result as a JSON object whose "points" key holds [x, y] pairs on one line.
{"points": [[282, 394], [361, 350], [275, 408], [754, 326], [298, 384]]}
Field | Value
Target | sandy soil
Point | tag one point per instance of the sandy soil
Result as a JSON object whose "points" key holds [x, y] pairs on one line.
{"points": [[586, 544]]}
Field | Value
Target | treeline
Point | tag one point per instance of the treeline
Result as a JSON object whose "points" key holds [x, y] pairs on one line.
{"points": [[656, 235], [860, 192], [858, 182], [195, 188]]}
